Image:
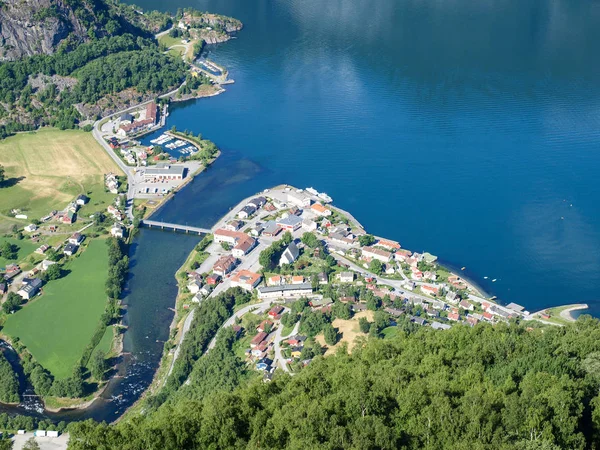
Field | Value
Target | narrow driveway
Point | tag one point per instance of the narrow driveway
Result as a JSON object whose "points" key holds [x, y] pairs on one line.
{"points": [[279, 359]]}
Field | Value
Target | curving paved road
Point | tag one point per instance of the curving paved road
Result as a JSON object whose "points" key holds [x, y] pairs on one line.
{"points": [[279, 359], [259, 307]]}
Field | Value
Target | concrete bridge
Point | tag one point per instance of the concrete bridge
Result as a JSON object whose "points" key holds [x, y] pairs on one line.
{"points": [[174, 227]]}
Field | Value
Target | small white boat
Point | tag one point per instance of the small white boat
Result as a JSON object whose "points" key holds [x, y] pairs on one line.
{"points": [[326, 198], [494, 280]]}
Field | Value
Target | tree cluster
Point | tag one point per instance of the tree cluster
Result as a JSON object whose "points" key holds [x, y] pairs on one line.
{"points": [[9, 384], [484, 387], [209, 317], [12, 303], [9, 251], [118, 265], [105, 65], [269, 257]]}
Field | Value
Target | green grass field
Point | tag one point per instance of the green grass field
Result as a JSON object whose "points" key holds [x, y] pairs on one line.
{"points": [[47, 169], [57, 326], [25, 245], [389, 332], [169, 41], [105, 343]]}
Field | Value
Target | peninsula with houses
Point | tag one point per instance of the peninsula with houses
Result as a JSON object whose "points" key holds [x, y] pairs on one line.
{"points": [[318, 280]]}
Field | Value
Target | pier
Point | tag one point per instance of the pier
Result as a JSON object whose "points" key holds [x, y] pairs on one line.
{"points": [[174, 227]]}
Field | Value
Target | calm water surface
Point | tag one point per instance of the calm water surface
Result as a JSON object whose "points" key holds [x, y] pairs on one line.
{"points": [[468, 129]]}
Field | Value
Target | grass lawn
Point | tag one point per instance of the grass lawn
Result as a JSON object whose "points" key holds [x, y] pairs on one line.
{"points": [[25, 245], [169, 41], [240, 347], [176, 52], [105, 343], [285, 332], [556, 317], [389, 332], [57, 326], [46, 169]]}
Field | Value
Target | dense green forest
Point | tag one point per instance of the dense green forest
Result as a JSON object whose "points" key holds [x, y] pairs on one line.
{"points": [[485, 387], [9, 385], [120, 54], [209, 317]]}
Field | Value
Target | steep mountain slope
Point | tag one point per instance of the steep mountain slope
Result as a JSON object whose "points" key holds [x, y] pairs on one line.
{"points": [[30, 27], [35, 26]]}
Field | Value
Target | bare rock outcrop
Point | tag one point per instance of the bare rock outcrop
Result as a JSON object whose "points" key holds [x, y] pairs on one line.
{"points": [[29, 27]]}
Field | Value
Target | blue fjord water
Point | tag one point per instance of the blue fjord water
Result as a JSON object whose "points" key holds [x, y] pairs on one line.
{"points": [[467, 129]]}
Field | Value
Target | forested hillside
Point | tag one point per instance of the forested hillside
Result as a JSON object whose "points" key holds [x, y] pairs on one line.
{"points": [[106, 51], [41, 26], [485, 387]]}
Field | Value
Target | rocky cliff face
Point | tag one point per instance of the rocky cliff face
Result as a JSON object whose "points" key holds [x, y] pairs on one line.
{"points": [[29, 27], [229, 24]]}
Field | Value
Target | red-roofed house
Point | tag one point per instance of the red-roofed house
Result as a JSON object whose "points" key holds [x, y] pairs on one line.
{"points": [[453, 316], [320, 210], [213, 279], [256, 340], [244, 246], [297, 279], [224, 265], [392, 245], [276, 311], [245, 279], [430, 289], [265, 326]]}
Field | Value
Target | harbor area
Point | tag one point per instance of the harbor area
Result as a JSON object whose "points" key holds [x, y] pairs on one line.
{"points": [[160, 179]]}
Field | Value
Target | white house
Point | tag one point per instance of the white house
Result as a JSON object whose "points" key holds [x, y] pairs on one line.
{"points": [[76, 238], [452, 297], [246, 212], [346, 277], [194, 286], [320, 210], [285, 291], [116, 231], [375, 253], [289, 255], [299, 199], [30, 289], [243, 246], [230, 237], [82, 200], [309, 225], [246, 280], [31, 228], [206, 289], [70, 249]]}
